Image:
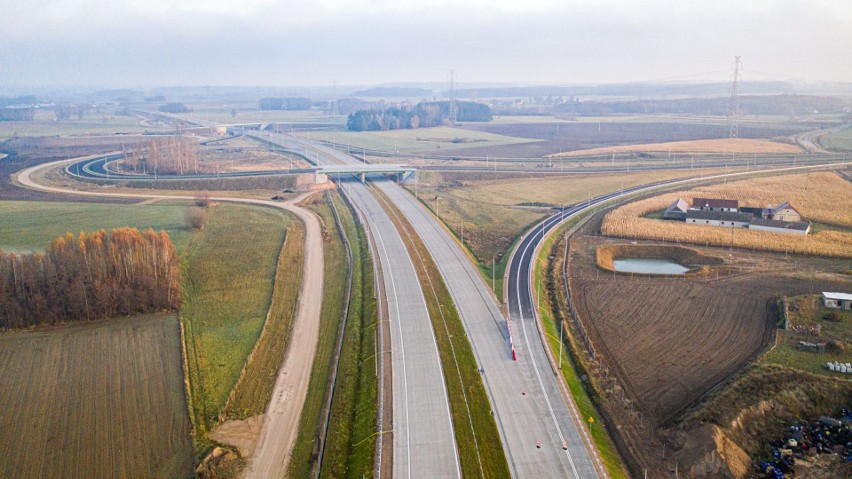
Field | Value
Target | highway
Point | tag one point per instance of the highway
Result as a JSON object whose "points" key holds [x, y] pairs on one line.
{"points": [[528, 399], [423, 436], [524, 394]]}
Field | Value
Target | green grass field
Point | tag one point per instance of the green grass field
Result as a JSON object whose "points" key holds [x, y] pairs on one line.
{"points": [[808, 313], [27, 226], [841, 140], [606, 449], [480, 449], [349, 449], [419, 140], [95, 399], [227, 275], [92, 123], [254, 389], [334, 289]]}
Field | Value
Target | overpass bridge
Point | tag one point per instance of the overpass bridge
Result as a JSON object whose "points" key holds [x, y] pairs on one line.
{"points": [[403, 173]]}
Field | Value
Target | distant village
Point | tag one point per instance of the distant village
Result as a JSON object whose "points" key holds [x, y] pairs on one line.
{"points": [[727, 213]]}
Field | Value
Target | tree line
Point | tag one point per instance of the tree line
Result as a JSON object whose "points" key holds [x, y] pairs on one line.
{"points": [[171, 155], [422, 115], [90, 276]]}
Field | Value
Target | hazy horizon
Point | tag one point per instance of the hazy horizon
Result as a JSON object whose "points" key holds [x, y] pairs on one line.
{"points": [[144, 44]]}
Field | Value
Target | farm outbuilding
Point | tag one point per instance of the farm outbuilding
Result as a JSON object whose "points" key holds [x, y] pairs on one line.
{"points": [[677, 210], [729, 219], [783, 212], [715, 204], [775, 226], [837, 300]]}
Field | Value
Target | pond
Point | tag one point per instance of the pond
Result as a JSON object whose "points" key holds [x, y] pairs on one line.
{"points": [[649, 266]]}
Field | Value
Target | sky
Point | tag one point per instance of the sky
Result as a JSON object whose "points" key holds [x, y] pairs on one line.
{"points": [[147, 43]]}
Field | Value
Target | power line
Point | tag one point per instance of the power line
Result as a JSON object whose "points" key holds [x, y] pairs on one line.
{"points": [[734, 105], [452, 112]]}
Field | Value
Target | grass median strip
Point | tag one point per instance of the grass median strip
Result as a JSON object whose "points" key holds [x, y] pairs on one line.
{"points": [[480, 449], [349, 450], [303, 460]]}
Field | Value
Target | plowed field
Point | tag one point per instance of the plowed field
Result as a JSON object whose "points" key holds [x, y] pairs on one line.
{"points": [[101, 399], [670, 340]]}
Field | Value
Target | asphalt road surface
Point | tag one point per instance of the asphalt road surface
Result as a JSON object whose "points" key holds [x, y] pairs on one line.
{"points": [[423, 438], [528, 405]]}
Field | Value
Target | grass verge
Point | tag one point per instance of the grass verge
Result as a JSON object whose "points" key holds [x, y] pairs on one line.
{"points": [[226, 271], [349, 451], [480, 449], [551, 312], [303, 460], [254, 389]]}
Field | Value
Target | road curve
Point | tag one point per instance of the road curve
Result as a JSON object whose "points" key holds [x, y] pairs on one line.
{"points": [[281, 421], [520, 274]]}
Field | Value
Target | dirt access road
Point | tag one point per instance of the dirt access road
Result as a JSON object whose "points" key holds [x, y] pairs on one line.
{"points": [[282, 415]]}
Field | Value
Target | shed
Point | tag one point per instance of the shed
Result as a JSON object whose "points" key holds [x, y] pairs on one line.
{"points": [[775, 226], [837, 300]]}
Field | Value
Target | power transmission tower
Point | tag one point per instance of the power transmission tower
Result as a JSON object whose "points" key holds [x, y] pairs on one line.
{"points": [[734, 105], [333, 107], [452, 112]]}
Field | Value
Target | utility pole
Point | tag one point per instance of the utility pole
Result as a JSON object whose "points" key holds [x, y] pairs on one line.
{"points": [[734, 104], [452, 112]]}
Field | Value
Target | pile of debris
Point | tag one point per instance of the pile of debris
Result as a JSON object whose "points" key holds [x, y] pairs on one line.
{"points": [[805, 441]]}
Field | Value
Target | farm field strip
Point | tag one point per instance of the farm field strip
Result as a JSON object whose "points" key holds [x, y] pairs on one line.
{"points": [[414, 141], [698, 147], [30, 226], [821, 196], [226, 298], [253, 391], [98, 399]]}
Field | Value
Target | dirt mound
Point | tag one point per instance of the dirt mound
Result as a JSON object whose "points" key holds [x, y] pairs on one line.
{"points": [[723, 437], [240, 434]]}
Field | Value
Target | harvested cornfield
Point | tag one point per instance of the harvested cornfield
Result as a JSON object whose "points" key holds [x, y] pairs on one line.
{"points": [[696, 147], [97, 399], [821, 197]]}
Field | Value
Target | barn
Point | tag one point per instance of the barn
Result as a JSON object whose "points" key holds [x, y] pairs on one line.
{"points": [[837, 300], [677, 210], [775, 226], [728, 219], [714, 204]]}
